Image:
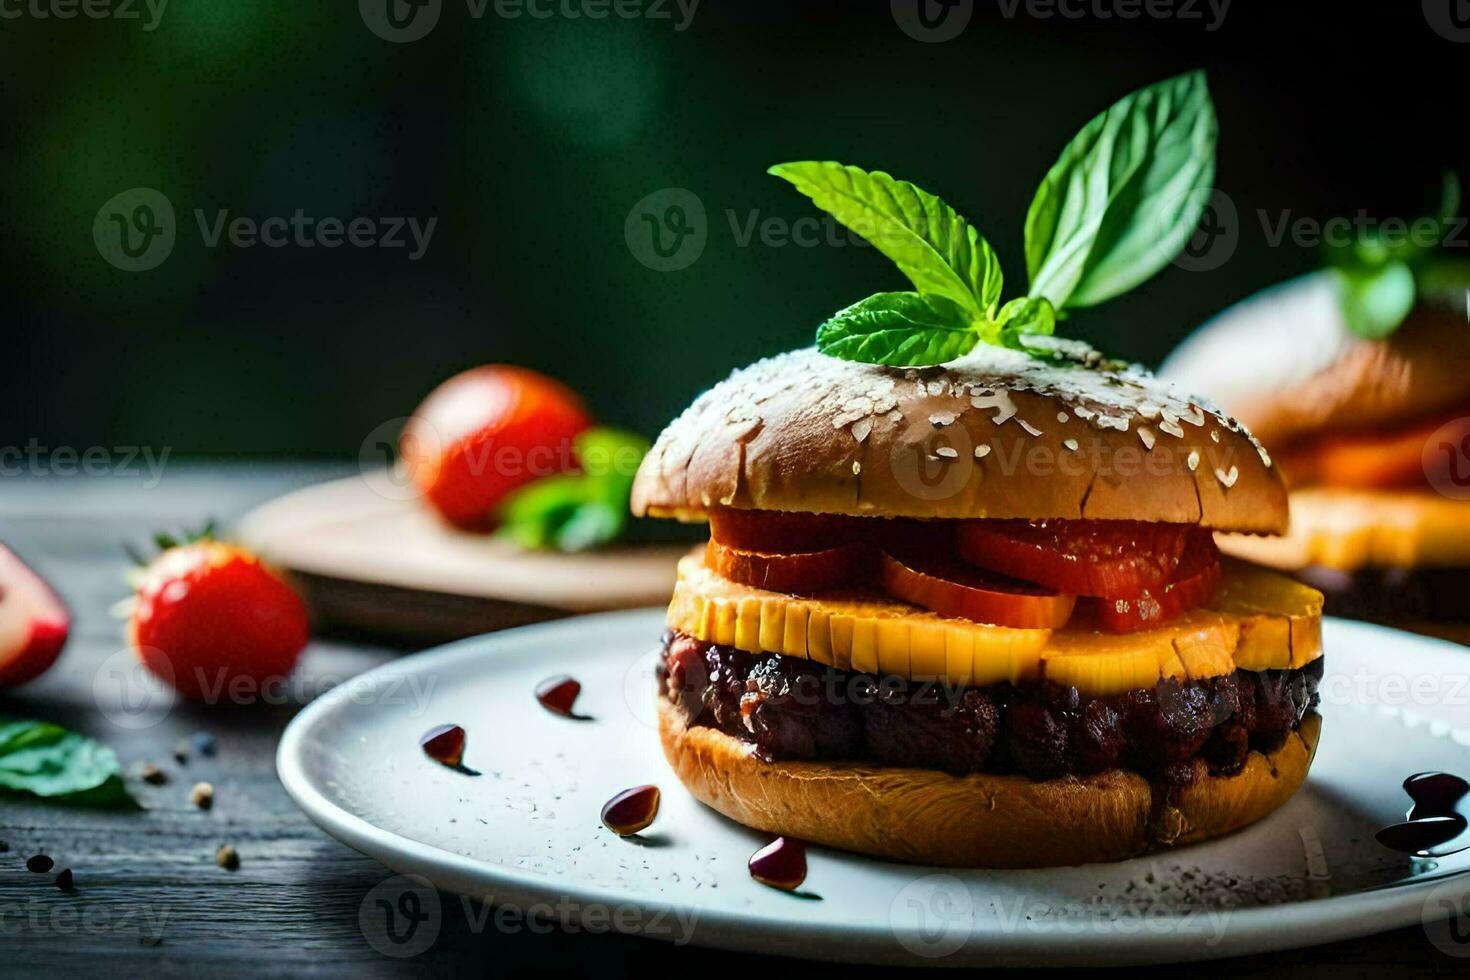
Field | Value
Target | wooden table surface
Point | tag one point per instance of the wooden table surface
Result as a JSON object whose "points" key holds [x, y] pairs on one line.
{"points": [[149, 896]]}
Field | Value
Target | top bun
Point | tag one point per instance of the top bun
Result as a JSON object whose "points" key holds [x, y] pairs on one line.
{"points": [[1285, 362], [996, 434]]}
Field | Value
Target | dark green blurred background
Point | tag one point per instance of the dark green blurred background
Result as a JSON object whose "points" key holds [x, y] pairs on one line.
{"points": [[531, 139]]}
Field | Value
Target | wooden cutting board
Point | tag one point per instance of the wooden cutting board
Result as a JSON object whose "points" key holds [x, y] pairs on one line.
{"points": [[382, 567]]}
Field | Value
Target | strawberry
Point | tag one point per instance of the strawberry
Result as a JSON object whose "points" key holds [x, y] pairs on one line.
{"points": [[208, 613]]}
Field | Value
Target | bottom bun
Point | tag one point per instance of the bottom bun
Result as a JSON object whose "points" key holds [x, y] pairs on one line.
{"points": [[978, 821]]}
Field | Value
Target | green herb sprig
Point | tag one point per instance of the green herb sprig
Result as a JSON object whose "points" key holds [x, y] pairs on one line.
{"points": [[1116, 207], [577, 511], [1381, 275]]}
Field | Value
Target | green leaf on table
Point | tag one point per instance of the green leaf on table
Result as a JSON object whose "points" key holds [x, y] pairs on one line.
{"points": [[1125, 195], [1376, 300], [899, 329], [941, 253], [577, 511], [44, 760]]}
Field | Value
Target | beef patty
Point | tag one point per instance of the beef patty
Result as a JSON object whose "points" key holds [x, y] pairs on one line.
{"points": [[797, 709]]}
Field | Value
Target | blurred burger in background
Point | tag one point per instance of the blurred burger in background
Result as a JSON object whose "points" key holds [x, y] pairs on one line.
{"points": [[1357, 378]]}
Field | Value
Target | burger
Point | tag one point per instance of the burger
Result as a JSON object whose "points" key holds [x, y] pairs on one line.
{"points": [[961, 602], [973, 615], [1370, 425]]}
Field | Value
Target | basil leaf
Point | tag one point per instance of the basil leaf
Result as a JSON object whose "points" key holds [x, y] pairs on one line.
{"points": [[595, 522], [565, 513], [577, 511], [1028, 316], [611, 454], [1125, 195], [48, 761], [931, 243], [900, 329], [1376, 301], [1449, 202], [1372, 248], [1445, 282]]}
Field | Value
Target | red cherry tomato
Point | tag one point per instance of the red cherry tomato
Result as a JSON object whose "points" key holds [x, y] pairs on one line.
{"points": [[1094, 558], [804, 572], [781, 533], [486, 432], [952, 589], [1195, 582]]}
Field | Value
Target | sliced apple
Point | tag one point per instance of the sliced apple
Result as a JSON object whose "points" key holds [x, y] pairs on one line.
{"points": [[34, 622]]}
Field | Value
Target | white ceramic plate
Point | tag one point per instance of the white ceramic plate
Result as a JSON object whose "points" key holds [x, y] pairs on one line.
{"points": [[526, 833]]}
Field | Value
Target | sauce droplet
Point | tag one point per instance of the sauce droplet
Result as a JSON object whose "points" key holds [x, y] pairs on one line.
{"points": [[39, 864], [631, 811], [559, 694], [445, 745], [1436, 824], [1435, 793], [780, 864]]}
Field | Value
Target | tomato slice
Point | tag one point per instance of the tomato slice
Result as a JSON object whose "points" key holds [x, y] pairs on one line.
{"points": [[778, 532], [951, 589], [1194, 583], [1092, 558], [799, 573]]}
